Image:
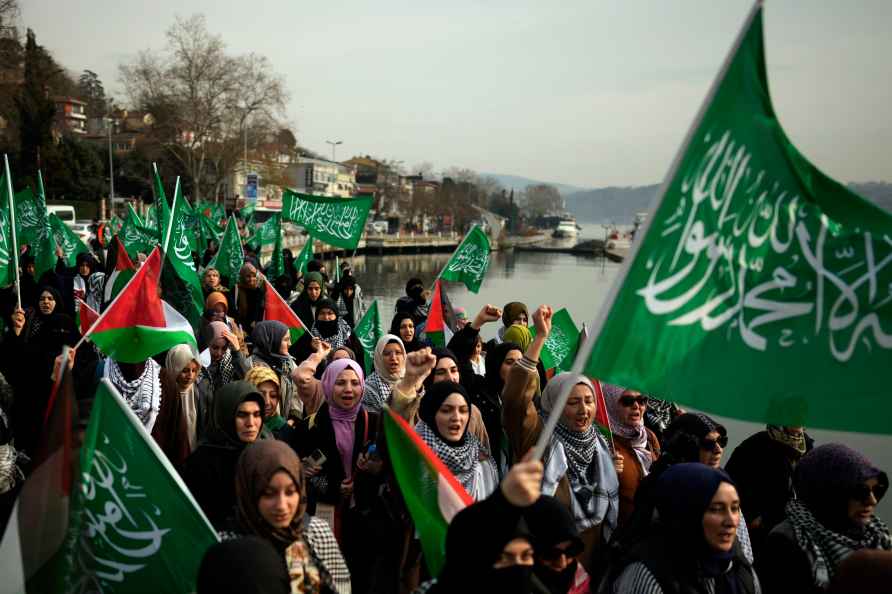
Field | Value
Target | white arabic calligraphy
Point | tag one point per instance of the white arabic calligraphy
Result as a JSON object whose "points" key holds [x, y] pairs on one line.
{"points": [[337, 220], [733, 263]]}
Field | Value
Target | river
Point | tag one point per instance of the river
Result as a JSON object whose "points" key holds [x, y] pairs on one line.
{"points": [[561, 280]]}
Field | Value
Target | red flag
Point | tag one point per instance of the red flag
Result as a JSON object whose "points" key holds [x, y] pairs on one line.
{"points": [[277, 309]]}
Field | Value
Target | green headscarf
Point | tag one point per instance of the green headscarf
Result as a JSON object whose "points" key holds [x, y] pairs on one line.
{"points": [[520, 335]]}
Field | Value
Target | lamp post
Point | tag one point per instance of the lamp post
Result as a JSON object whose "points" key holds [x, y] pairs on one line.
{"points": [[111, 168], [333, 144]]}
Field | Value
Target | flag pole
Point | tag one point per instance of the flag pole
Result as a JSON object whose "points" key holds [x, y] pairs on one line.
{"points": [[585, 350], [14, 253], [173, 209]]}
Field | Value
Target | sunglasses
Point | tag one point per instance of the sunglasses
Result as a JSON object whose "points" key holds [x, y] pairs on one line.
{"points": [[709, 444], [863, 492], [630, 400], [555, 553]]}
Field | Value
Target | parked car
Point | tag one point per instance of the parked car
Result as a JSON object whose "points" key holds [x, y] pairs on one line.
{"points": [[66, 213]]}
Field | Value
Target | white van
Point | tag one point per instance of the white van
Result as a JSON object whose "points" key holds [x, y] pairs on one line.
{"points": [[66, 213]]}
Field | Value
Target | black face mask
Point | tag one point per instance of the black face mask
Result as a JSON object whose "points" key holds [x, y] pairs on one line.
{"points": [[327, 328], [557, 582], [415, 292], [515, 579]]}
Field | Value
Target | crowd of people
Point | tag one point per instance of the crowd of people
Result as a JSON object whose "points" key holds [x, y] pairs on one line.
{"points": [[283, 448]]}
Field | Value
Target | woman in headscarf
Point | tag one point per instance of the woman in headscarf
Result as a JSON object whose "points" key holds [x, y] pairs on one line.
{"points": [[216, 309], [89, 282], [236, 422], [513, 313], [404, 327], [178, 426], [211, 282], [339, 448], [271, 342], [267, 383], [636, 444], [30, 345], [557, 543], [695, 547], [763, 466], [838, 490], [413, 302], [306, 303], [139, 385], [579, 469], [271, 502], [444, 414], [329, 325], [390, 366], [251, 297], [349, 299], [228, 364]]}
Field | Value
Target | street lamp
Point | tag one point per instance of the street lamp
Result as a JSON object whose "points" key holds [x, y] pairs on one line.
{"points": [[333, 144]]}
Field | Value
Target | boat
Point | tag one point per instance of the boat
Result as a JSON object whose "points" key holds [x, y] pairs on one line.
{"points": [[566, 228]]}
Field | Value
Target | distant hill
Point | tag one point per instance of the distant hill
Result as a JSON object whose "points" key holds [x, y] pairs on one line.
{"points": [[519, 183], [619, 205]]}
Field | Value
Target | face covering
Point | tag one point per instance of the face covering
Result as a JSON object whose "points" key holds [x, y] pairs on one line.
{"points": [[327, 327], [556, 581], [515, 579]]}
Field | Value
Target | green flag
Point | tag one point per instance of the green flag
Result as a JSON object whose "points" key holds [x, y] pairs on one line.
{"points": [[368, 331], [134, 526], [131, 214], [180, 282], [136, 238], [336, 221], [276, 266], [230, 257], [470, 260], [66, 239], [8, 257], [304, 257], [161, 210], [267, 234], [760, 287], [561, 345]]}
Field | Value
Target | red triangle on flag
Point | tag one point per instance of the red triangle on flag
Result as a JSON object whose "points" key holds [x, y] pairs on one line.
{"points": [[139, 303], [277, 309]]}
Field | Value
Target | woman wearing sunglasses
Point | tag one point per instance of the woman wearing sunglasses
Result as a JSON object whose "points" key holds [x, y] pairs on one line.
{"points": [[634, 443], [838, 490]]}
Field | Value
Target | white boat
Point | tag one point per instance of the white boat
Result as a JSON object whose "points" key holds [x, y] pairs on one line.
{"points": [[566, 229]]}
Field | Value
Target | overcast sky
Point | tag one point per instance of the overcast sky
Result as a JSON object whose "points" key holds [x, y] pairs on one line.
{"points": [[584, 92]]}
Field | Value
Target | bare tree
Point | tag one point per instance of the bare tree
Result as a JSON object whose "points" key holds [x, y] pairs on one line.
{"points": [[204, 100], [9, 12], [543, 199]]}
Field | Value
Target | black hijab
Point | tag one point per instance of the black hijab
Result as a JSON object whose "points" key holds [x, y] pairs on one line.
{"points": [[221, 432], [432, 401], [494, 359], [267, 337], [551, 524], [439, 353], [415, 344], [249, 565]]}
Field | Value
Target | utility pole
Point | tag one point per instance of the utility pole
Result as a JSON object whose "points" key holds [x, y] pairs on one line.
{"points": [[333, 144]]}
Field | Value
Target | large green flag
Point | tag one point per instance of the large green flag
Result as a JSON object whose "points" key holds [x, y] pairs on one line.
{"points": [[180, 282], [66, 239], [161, 210], [230, 257], [135, 237], [760, 287], [134, 526], [336, 221], [42, 239], [560, 347], [267, 234], [368, 331], [470, 260], [304, 257], [8, 256]]}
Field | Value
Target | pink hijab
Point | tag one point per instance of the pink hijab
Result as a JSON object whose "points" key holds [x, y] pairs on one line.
{"points": [[343, 420]]}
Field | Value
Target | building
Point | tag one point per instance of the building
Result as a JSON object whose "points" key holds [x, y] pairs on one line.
{"points": [[71, 115], [323, 178]]}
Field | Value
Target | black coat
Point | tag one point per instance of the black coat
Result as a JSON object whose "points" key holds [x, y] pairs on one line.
{"points": [[783, 566], [209, 472], [762, 469], [316, 432]]}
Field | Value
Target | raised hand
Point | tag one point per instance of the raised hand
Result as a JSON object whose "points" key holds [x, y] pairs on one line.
{"points": [[489, 313], [542, 320], [419, 364], [522, 486]]}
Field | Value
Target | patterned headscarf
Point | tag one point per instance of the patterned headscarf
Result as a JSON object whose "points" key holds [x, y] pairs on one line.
{"points": [[634, 435]]}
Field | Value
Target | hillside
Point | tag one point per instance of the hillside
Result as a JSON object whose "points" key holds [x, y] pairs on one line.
{"points": [[619, 205], [518, 183]]}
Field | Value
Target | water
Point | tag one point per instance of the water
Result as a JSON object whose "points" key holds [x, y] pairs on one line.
{"points": [[561, 280]]}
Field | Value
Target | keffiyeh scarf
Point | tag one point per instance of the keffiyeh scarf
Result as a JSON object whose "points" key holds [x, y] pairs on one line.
{"points": [[339, 339], [220, 373], [461, 460], [827, 547], [376, 392], [585, 458], [143, 394]]}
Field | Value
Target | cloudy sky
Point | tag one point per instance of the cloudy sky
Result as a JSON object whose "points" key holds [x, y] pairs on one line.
{"points": [[584, 92]]}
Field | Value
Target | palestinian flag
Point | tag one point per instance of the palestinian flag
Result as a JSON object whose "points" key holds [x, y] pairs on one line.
{"points": [[602, 420], [440, 325], [86, 316], [119, 269], [432, 494], [138, 323], [276, 308]]}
